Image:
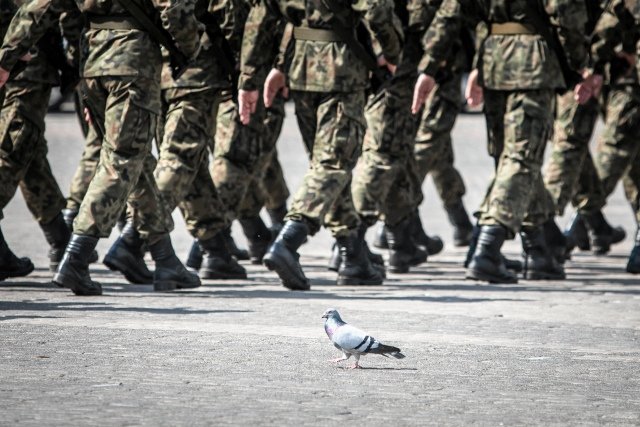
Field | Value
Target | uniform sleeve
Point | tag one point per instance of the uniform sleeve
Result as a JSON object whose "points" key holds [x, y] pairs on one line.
{"points": [[570, 19], [179, 20], [257, 52], [616, 27], [444, 29], [71, 28], [379, 14], [29, 24]]}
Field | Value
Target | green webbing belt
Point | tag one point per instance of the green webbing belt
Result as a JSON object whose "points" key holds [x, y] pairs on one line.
{"points": [[113, 23], [316, 34]]}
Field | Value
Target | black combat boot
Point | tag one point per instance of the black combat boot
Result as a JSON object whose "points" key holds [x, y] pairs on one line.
{"points": [[239, 253], [57, 234], [194, 259], [170, 274], [462, 227], [403, 252], [218, 264], [510, 264], [431, 244], [126, 255], [355, 268], [577, 235], [376, 260], [283, 258], [539, 264], [69, 215], [11, 265], [258, 236], [277, 219], [487, 263], [633, 265], [73, 271], [556, 241], [601, 234]]}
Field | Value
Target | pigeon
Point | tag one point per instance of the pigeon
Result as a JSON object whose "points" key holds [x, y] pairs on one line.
{"points": [[352, 341]]}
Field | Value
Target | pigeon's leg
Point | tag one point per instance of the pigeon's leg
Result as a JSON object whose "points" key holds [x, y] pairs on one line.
{"points": [[355, 364], [344, 357]]}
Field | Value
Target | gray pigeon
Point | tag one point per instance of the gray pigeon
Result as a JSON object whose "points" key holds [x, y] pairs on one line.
{"points": [[352, 341]]}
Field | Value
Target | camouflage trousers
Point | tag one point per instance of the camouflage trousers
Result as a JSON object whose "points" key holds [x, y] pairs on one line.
{"points": [[23, 151], [572, 174], [332, 127], [242, 155], [86, 168], [268, 187], [185, 128], [127, 106], [433, 147], [519, 122], [384, 179]]}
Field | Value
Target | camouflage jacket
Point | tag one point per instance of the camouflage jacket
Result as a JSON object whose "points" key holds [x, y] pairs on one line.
{"points": [[510, 62], [40, 69], [617, 30], [316, 66], [609, 37], [206, 71], [105, 52]]}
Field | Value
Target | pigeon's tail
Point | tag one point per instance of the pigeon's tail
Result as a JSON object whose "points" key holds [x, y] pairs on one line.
{"points": [[388, 350]]}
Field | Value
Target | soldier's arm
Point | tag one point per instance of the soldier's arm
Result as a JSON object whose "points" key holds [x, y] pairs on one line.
{"points": [[29, 24], [257, 52], [379, 15], [179, 20], [445, 28], [570, 19], [616, 27], [72, 26]]}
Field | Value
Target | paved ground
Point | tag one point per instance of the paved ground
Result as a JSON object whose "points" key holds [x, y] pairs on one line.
{"points": [[252, 352]]}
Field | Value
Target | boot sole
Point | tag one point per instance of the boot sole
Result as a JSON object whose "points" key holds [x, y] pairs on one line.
{"points": [[164, 286], [398, 270], [289, 278], [59, 280], [484, 277], [216, 275], [115, 265]]}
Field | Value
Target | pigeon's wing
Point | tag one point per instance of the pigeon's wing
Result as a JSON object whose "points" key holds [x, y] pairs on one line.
{"points": [[353, 339]]}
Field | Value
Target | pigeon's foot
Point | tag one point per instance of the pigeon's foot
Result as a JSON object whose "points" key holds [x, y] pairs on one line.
{"points": [[338, 360], [355, 366]]}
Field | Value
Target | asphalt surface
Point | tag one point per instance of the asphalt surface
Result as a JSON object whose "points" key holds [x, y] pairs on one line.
{"points": [[252, 352]]}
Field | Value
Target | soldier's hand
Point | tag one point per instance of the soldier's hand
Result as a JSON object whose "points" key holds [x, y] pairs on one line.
{"points": [[588, 88], [4, 76], [247, 101], [473, 93], [276, 82], [423, 88], [382, 62]]}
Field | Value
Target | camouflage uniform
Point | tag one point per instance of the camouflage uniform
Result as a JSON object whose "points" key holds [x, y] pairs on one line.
{"points": [[519, 75], [327, 82], [23, 149], [121, 73], [332, 127]]}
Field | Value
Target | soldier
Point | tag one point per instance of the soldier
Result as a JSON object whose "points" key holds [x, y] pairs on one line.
{"points": [[186, 125], [571, 166], [23, 157], [122, 74], [615, 43], [327, 80], [518, 72]]}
